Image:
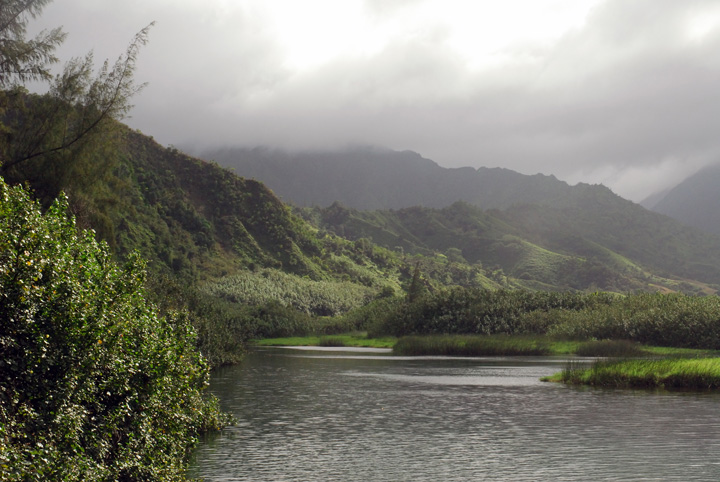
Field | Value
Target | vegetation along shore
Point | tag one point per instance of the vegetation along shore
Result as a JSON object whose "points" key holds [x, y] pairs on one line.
{"points": [[668, 373], [129, 270]]}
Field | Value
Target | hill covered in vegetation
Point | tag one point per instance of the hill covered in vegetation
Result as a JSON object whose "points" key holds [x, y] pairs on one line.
{"points": [[592, 242], [539, 230]]}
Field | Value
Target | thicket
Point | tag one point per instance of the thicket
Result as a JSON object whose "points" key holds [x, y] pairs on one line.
{"points": [[477, 311], [674, 320], [94, 385], [652, 318]]}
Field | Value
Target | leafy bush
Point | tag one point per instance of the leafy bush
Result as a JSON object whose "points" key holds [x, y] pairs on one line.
{"points": [[652, 318], [474, 311], [673, 320], [94, 385]]}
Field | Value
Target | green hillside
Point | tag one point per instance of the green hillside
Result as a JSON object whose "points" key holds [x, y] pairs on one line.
{"points": [[224, 247], [543, 247]]}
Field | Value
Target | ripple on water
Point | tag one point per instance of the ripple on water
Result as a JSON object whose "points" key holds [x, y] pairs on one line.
{"points": [[389, 419]]}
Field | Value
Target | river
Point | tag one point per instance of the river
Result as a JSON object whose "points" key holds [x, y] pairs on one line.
{"points": [[326, 415]]}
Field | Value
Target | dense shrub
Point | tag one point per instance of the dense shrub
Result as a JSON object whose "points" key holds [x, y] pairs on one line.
{"points": [[475, 311], [660, 319], [676, 320], [94, 385]]}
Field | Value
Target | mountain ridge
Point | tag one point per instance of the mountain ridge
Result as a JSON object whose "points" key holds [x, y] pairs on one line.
{"points": [[374, 178]]}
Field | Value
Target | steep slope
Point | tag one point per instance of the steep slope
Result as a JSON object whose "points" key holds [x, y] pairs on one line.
{"points": [[188, 213], [695, 201]]}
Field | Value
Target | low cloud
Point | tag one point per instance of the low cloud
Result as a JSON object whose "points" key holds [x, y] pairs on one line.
{"points": [[628, 97]]}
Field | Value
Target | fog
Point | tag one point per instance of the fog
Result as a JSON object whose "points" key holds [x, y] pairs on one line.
{"points": [[613, 92]]}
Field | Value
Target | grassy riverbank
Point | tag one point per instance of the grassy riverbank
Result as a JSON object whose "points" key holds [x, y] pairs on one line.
{"points": [[493, 345], [669, 373], [347, 339]]}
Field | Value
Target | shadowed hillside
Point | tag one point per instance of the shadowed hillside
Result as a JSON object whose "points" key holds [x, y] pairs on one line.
{"points": [[695, 201]]}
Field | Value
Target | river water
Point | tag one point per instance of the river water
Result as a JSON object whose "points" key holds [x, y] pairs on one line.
{"points": [[323, 415]]}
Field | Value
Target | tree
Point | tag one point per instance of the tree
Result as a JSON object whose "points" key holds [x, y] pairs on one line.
{"points": [[23, 60], [43, 138], [417, 288]]}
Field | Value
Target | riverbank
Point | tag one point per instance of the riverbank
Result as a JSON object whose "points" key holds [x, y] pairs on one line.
{"points": [[493, 345], [358, 339], [668, 373]]}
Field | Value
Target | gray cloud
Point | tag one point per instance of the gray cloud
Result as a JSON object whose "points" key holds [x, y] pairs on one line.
{"points": [[628, 99]]}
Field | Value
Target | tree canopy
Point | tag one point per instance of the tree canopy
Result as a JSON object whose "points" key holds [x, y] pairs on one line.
{"points": [[21, 59]]}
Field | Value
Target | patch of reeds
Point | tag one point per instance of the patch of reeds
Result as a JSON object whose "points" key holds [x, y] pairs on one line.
{"points": [[669, 373], [331, 341], [356, 339], [610, 348], [468, 345]]}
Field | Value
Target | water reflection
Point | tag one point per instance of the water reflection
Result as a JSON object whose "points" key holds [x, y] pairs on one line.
{"points": [[323, 416]]}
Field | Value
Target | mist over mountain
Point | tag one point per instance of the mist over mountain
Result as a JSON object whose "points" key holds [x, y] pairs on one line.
{"points": [[378, 178], [695, 201]]}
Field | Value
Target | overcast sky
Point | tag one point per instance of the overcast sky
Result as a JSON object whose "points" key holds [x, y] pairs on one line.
{"points": [[620, 92]]}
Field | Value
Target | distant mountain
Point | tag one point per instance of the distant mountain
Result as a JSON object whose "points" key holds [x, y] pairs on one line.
{"points": [[695, 201], [376, 178], [535, 228], [652, 200]]}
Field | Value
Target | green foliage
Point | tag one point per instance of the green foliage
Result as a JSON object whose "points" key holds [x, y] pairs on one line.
{"points": [[321, 298], [465, 345], [355, 339], [23, 60], [222, 327], [675, 320], [272, 320], [666, 373], [49, 136], [657, 319], [586, 239], [373, 317], [94, 385], [417, 288], [474, 311]]}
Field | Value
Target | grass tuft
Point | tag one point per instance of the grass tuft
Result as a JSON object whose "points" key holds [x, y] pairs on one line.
{"points": [[670, 373]]}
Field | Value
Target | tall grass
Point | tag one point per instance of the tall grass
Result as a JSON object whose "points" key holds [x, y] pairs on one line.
{"points": [[610, 348], [331, 341], [346, 339], [669, 373], [463, 345]]}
